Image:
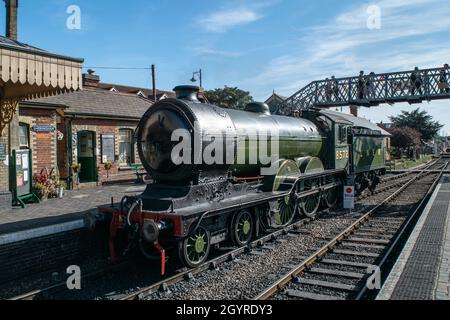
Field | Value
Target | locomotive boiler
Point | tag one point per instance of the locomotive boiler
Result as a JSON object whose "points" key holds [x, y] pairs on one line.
{"points": [[222, 175], [234, 133]]}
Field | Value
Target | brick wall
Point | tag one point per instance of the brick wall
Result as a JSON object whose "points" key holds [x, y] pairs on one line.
{"points": [[25, 258], [42, 144], [101, 127]]}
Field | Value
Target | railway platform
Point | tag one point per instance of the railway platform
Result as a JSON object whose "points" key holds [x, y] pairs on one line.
{"points": [[58, 215], [422, 271]]}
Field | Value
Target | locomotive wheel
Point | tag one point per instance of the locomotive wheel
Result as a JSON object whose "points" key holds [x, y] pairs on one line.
{"points": [[286, 212], [194, 250], [242, 228], [310, 204]]}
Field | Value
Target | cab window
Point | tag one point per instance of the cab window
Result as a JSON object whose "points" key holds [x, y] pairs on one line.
{"points": [[342, 135]]}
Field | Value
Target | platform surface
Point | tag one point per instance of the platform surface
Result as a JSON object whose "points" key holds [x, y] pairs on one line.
{"points": [[422, 271], [74, 205]]}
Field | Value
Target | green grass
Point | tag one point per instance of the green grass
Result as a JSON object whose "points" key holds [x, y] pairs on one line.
{"points": [[407, 164]]}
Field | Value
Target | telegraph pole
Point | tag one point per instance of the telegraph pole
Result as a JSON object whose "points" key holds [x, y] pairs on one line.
{"points": [[154, 82]]}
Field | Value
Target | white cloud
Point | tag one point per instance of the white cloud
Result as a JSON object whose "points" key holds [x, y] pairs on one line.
{"points": [[208, 51], [223, 20]]}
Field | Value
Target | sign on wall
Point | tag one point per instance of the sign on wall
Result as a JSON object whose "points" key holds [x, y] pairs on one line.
{"points": [[108, 147], [43, 128]]}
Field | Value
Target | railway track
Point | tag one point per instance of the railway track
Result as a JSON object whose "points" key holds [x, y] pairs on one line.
{"points": [[342, 268], [261, 245], [179, 284]]}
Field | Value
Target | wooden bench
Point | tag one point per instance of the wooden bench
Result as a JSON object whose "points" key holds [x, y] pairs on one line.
{"points": [[139, 170]]}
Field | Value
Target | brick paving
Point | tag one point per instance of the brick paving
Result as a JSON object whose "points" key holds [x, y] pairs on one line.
{"points": [[73, 206], [426, 273]]}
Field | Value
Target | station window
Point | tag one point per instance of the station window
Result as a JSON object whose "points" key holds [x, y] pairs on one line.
{"points": [[126, 153], [24, 136]]}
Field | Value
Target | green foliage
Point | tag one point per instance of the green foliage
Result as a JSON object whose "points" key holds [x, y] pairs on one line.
{"points": [[108, 165], [63, 184], [76, 167], [420, 121], [404, 137], [229, 97]]}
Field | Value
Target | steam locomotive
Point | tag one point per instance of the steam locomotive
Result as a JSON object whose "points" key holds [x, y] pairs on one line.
{"points": [[195, 204]]}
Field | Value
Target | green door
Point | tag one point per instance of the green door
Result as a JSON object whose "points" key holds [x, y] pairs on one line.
{"points": [[86, 156]]}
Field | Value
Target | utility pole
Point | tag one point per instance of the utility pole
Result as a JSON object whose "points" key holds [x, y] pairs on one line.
{"points": [[154, 82]]}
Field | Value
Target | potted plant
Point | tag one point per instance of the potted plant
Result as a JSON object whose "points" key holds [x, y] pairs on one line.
{"points": [[108, 165], [62, 186], [39, 191], [76, 167]]}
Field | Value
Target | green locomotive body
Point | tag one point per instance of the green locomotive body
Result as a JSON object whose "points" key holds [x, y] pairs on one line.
{"points": [[195, 204]]}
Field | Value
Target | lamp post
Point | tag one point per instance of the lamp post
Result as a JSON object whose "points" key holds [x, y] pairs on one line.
{"points": [[199, 73]]}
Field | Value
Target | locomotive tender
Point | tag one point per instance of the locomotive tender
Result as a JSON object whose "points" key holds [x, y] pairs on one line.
{"points": [[194, 205]]}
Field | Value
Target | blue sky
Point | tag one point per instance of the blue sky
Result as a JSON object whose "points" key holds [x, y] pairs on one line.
{"points": [[259, 46]]}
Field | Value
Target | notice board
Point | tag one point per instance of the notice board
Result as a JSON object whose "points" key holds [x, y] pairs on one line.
{"points": [[22, 172]]}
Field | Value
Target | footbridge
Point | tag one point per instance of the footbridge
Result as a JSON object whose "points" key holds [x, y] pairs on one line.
{"points": [[414, 86]]}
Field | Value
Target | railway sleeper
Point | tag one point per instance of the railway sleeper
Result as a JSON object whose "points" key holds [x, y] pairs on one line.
{"points": [[368, 240], [311, 296], [356, 253], [338, 273], [346, 243], [326, 284], [345, 263]]}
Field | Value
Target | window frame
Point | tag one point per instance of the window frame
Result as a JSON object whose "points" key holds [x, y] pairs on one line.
{"points": [[131, 141], [28, 145]]}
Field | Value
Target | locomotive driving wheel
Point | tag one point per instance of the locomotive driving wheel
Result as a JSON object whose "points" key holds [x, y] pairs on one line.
{"points": [[242, 228], [286, 212], [285, 207], [194, 250], [331, 196], [310, 204]]}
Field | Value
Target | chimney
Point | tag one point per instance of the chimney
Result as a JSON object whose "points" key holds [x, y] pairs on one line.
{"points": [[11, 18], [354, 110], [189, 93], [90, 80]]}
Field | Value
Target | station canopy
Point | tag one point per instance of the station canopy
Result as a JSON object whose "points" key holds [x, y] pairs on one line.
{"points": [[27, 72]]}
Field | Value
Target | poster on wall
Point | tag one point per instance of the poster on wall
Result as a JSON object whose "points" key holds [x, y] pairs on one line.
{"points": [[24, 161], [19, 160]]}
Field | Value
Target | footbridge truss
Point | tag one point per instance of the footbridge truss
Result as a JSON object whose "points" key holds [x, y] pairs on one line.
{"points": [[413, 86]]}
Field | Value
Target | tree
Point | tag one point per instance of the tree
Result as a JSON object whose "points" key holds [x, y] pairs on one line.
{"points": [[419, 120], [405, 139], [229, 97]]}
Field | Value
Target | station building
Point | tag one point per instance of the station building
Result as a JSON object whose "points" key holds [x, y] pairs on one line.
{"points": [[88, 127]]}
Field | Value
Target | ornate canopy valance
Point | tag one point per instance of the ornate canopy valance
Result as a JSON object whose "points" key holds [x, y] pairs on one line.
{"points": [[28, 73]]}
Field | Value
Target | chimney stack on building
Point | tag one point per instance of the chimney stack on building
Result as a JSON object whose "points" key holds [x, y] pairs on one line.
{"points": [[90, 80], [11, 18]]}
